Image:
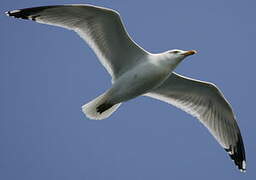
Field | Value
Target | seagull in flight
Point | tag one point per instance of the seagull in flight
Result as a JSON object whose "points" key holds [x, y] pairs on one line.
{"points": [[136, 72]]}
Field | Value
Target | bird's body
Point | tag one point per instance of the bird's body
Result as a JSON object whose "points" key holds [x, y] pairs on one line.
{"points": [[136, 72], [150, 73]]}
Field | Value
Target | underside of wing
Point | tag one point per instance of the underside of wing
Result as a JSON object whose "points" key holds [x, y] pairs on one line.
{"points": [[100, 27], [205, 101]]}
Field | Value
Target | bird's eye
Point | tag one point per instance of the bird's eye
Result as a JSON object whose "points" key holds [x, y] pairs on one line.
{"points": [[175, 52]]}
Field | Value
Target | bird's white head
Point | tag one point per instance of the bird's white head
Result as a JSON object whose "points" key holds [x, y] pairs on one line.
{"points": [[180, 54], [175, 56]]}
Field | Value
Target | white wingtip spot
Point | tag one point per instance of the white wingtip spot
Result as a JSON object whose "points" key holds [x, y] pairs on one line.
{"points": [[244, 165], [14, 11], [7, 13], [242, 170]]}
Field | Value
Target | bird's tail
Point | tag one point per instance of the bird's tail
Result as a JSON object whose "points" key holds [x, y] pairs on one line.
{"points": [[99, 108]]}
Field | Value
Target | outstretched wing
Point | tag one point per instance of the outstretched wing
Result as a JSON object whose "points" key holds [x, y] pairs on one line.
{"points": [[205, 101], [100, 27]]}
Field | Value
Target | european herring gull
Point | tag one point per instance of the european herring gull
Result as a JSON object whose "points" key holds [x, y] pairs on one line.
{"points": [[136, 72]]}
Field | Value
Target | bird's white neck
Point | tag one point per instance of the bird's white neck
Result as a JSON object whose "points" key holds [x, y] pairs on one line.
{"points": [[166, 60]]}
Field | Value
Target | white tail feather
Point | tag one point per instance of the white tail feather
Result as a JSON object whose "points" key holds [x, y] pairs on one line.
{"points": [[90, 109]]}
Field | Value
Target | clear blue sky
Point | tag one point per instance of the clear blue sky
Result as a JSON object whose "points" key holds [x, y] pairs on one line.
{"points": [[47, 73]]}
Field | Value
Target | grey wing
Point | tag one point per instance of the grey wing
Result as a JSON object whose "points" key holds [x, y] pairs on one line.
{"points": [[100, 27], [205, 101]]}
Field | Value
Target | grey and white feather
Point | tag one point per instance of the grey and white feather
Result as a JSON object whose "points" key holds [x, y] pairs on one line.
{"points": [[136, 72]]}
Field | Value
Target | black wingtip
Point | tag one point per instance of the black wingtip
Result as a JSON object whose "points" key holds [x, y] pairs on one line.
{"points": [[27, 14], [237, 154], [12, 13], [18, 14]]}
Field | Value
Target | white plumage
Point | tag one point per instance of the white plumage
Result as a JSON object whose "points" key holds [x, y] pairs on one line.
{"points": [[136, 72]]}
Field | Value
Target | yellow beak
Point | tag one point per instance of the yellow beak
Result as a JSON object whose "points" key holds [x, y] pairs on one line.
{"points": [[188, 53]]}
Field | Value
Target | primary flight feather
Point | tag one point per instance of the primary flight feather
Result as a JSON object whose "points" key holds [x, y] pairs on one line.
{"points": [[136, 72]]}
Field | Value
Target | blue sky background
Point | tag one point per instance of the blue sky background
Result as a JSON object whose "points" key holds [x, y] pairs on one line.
{"points": [[48, 73]]}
